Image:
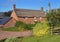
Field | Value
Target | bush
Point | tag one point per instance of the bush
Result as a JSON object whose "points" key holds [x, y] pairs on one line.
{"points": [[20, 26], [29, 26], [24, 26], [12, 39], [2, 40], [19, 23], [41, 29]]}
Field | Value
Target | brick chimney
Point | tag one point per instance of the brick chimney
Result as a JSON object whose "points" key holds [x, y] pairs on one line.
{"points": [[14, 6]]}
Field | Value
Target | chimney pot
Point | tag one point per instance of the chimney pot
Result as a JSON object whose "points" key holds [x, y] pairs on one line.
{"points": [[14, 6]]}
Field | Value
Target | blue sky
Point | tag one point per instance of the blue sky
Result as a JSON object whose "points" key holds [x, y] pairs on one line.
{"points": [[6, 5]]}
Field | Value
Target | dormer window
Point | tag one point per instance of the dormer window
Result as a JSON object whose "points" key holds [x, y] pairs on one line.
{"points": [[34, 18], [25, 17], [40, 17]]}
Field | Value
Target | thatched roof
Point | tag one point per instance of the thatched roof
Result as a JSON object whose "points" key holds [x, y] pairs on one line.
{"points": [[29, 13]]}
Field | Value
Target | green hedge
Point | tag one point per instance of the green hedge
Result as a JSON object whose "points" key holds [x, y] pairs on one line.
{"points": [[19, 26], [25, 26]]}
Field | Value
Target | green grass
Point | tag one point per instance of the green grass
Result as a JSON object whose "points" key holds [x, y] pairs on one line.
{"points": [[55, 38], [2, 40], [42, 39], [11, 29]]}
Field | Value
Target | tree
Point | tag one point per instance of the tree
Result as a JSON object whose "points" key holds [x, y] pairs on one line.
{"points": [[7, 13], [54, 18]]}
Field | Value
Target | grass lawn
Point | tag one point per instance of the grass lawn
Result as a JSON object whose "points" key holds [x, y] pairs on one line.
{"points": [[42, 39], [55, 38], [11, 29]]}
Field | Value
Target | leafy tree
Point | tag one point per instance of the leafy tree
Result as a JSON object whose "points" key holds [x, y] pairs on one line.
{"points": [[7, 13], [54, 17]]}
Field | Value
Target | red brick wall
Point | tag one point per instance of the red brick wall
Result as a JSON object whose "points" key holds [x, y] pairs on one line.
{"points": [[10, 23], [14, 15], [30, 20], [7, 34]]}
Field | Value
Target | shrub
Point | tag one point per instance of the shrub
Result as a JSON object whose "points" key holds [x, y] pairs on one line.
{"points": [[29, 26], [12, 39], [24, 26], [20, 29], [19, 23], [19, 26], [41, 29], [2, 40]]}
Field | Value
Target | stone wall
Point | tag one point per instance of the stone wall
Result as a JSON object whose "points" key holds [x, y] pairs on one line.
{"points": [[7, 34]]}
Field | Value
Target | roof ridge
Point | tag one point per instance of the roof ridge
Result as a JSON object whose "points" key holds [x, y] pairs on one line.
{"points": [[27, 9]]}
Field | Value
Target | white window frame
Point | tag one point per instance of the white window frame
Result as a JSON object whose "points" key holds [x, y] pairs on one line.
{"points": [[34, 18], [40, 17]]}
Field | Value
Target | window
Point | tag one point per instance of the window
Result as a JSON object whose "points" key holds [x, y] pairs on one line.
{"points": [[25, 17], [40, 17], [34, 17]]}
